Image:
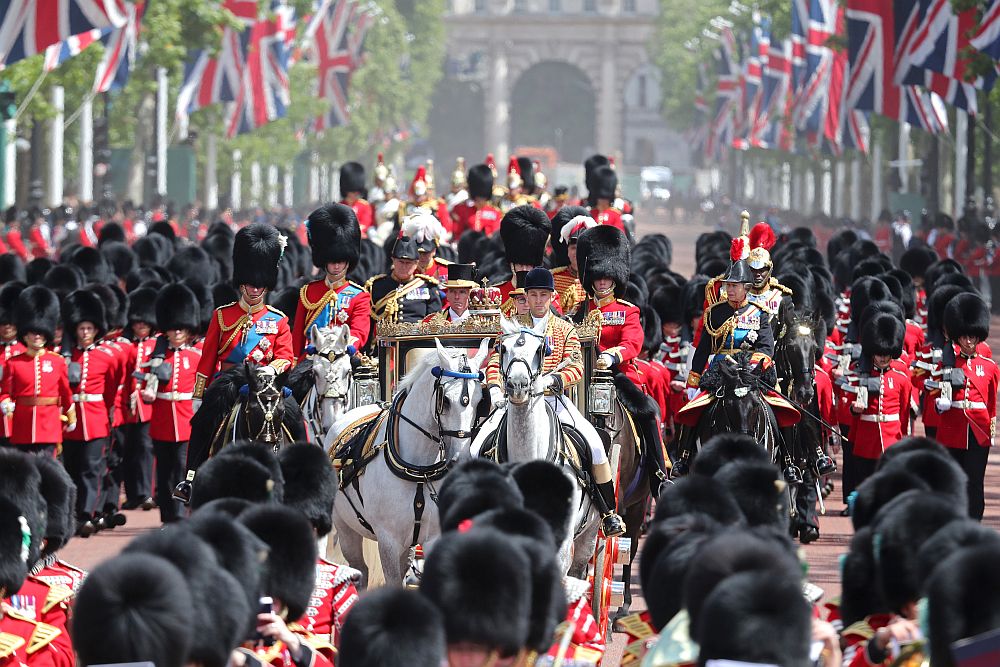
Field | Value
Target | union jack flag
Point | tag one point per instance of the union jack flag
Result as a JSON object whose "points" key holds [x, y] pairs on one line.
{"points": [[340, 27], [872, 38], [777, 79], [120, 47], [817, 95], [57, 54], [752, 80], [28, 27], [698, 134], [987, 36], [727, 95]]}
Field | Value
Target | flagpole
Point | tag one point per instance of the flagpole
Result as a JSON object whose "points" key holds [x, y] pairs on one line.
{"points": [[211, 175], [961, 156], [56, 148], [162, 98], [876, 178], [904, 156], [855, 212], [86, 114]]}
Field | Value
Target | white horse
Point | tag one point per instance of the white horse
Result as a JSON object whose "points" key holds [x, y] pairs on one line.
{"points": [[329, 378], [534, 432], [424, 431]]}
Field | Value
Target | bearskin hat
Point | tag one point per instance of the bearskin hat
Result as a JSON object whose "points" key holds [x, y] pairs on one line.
{"points": [[21, 483], [957, 535], [35, 270], [859, 595], [482, 588], [92, 263], [524, 231], [257, 252], [232, 477], [603, 183], [37, 311], [217, 613], [177, 308], [206, 302], [759, 491], [142, 306], [59, 492], [9, 294], [967, 315], [547, 492], [916, 260], [668, 302], [603, 252], [334, 235], [590, 165], [352, 178], [527, 168], [63, 279], [883, 335], [474, 487], [698, 493], [134, 608], [393, 627], [11, 269], [291, 564], [900, 530], [115, 303], [758, 618], [14, 557], [111, 232], [120, 258], [960, 604], [725, 448], [192, 261], [480, 181], [876, 308], [878, 490], [669, 550], [310, 484], [83, 306], [935, 467]]}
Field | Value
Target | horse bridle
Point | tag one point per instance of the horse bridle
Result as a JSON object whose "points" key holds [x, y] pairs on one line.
{"points": [[805, 327], [268, 432], [464, 374], [333, 357], [533, 375]]}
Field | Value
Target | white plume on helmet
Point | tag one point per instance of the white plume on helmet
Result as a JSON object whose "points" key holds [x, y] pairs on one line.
{"points": [[422, 225], [575, 223]]}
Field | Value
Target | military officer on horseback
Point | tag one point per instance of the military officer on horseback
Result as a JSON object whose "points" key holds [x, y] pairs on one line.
{"points": [[335, 241], [764, 290], [562, 367], [249, 329]]}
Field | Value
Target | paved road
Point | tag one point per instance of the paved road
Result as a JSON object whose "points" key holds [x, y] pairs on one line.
{"points": [[822, 555]]}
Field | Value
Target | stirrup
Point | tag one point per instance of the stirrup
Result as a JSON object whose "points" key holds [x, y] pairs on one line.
{"points": [[792, 474], [825, 465], [612, 525]]}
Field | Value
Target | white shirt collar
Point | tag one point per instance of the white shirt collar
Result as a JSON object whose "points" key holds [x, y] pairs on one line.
{"points": [[455, 317], [539, 323]]}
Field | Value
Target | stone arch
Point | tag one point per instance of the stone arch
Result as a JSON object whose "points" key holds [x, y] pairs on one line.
{"points": [[554, 103], [458, 126]]}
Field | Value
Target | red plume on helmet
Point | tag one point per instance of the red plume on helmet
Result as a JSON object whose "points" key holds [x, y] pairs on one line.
{"points": [[762, 236], [739, 249]]}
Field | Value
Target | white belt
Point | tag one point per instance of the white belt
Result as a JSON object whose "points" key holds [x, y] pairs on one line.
{"points": [[88, 398], [968, 405], [175, 396], [880, 418]]}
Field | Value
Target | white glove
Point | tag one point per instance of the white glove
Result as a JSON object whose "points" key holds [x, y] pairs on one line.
{"points": [[267, 370], [692, 392], [496, 396], [70, 427], [7, 407], [195, 404], [942, 404], [548, 381], [605, 361]]}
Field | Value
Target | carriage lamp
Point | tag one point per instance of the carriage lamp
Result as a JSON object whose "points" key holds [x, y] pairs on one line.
{"points": [[365, 387], [601, 400]]}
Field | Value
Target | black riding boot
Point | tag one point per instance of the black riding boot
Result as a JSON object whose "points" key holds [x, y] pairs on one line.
{"points": [[611, 524], [685, 452]]}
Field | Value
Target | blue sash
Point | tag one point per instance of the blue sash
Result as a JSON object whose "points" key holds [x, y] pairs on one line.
{"points": [[329, 312], [250, 339]]}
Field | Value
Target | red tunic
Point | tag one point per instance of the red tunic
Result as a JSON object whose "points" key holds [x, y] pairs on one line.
{"points": [[121, 347], [609, 216], [39, 388], [974, 407], [886, 417], [47, 604], [60, 572], [33, 642], [138, 354], [9, 349], [621, 333], [855, 639], [469, 216], [95, 396], [363, 210], [172, 409], [16, 243], [586, 643], [438, 270], [39, 244], [235, 335], [824, 396], [322, 305], [332, 598]]}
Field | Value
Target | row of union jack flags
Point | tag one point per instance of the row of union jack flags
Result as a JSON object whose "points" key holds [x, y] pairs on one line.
{"points": [[905, 59], [250, 71]]}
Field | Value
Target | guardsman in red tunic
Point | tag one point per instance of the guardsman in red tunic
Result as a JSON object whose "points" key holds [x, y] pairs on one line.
{"points": [[59, 493], [138, 459], [567, 225], [603, 189], [422, 196], [967, 394], [34, 389], [352, 190], [605, 261], [476, 214], [14, 239], [249, 329], [426, 231], [524, 231], [94, 376], [335, 241], [668, 303], [10, 346], [459, 285], [881, 406], [520, 183], [459, 186], [178, 316]]}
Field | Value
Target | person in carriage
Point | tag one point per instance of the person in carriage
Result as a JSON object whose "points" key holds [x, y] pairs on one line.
{"points": [[603, 253], [563, 367], [732, 326], [459, 285]]}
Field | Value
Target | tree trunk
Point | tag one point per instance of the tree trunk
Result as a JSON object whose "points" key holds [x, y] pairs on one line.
{"points": [[970, 162], [987, 147], [145, 109]]}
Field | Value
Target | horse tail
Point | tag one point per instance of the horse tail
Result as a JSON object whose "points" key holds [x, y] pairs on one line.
{"points": [[300, 380], [644, 410]]}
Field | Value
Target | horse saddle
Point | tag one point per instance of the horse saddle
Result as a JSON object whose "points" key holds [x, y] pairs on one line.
{"points": [[571, 447], [355, 447]]}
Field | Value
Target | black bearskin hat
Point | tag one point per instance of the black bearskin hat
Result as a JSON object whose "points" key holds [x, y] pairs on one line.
{"points": [[917, 260], [11, 269], [245, 470], [878, 490], [257, 252], [935, 467], [334, 235], [563, 217], [133, 608], [959, 600], [206, 302], [291, 565], [480, 181], [37, 310], [603, 252], [93, 264], [698, 493], [83, 306], [9, 294], [21, 483], [759, 491], [63, 279], [590, 165], [14, 530], [883, 335], [482, 588], [142, 306], [177, 308], [352, 178], [668, 302], [604, 183], [670, 548], [960, 534], [59, 492], [524, 231], [193, 262], [473, 487], [967, 315], [548, 492], [115, 303], [393, 627], [239, 551], [725, 448], [310, 484], [527, 168], [35, 270]]}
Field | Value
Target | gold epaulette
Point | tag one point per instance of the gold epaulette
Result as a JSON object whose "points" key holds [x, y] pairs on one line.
{"points": [[786, 290], [430, 279], [371, 281], [443, 262], [351, 282], [860, 628], [42, 636], [313, 641], [9, 643], [559, 269], [275, 310], [710, 296], [626, 303], [58, 594]]}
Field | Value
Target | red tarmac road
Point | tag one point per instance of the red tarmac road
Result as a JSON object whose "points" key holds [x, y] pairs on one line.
{"points": [[822, 555]]}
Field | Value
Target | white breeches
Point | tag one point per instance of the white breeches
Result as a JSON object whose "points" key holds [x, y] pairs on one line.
{"points": [[569, 414]]}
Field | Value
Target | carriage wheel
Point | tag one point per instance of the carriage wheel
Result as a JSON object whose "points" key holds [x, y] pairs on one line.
{"points": [[600, 586]]}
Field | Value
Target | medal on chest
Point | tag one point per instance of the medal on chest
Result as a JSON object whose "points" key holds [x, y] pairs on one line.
{"points": [[613, 318], [267, 327], [418, 294]]}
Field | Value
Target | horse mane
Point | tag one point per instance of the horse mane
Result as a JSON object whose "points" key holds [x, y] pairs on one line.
{"points": [[299, 379], [423, 366], [220, 397]]}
